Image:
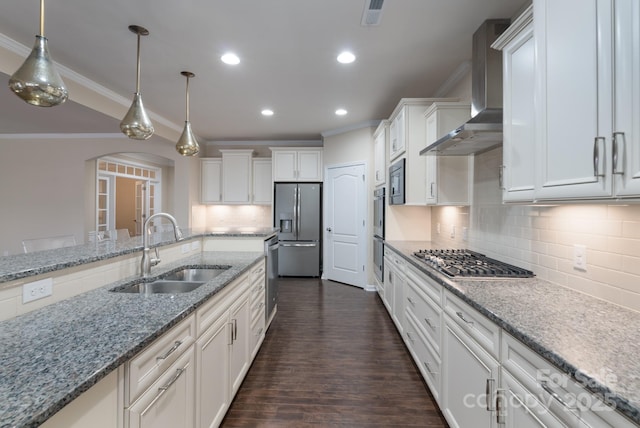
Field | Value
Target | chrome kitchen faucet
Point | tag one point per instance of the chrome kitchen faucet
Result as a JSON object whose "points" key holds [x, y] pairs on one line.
{"points": [[147, 261]]}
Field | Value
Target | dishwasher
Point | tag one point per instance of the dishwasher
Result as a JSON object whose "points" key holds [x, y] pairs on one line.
{"points": [[271, 292]]}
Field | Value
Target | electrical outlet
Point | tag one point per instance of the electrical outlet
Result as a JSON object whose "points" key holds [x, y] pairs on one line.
{"points": [[37, 290], [438, 228], [465, 233], [453, 231], [195, 245], [186, 248], [580, 257]]}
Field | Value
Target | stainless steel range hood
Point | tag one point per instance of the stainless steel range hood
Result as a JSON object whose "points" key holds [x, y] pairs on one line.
{"points": [[484, 130]]}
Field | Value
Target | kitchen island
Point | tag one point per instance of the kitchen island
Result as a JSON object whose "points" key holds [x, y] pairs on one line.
{"points": [[593, 342], [54, 354]]}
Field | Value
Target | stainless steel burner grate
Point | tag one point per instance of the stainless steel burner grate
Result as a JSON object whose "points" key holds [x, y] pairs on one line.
{"points": [[467, 263]]}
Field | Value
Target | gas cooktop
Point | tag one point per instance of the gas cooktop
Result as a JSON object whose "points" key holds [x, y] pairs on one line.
{"points": [[469, 264]]}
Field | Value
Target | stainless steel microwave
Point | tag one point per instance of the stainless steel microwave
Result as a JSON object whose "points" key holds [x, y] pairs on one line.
{"points": [[397, 180]]}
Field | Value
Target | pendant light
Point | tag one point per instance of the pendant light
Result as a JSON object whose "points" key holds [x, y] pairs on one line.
{"points": [[36, 81], [187, 144], [136, 124]]}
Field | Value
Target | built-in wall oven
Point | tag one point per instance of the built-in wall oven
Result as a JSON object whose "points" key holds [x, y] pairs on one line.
{"points": [[378, 233], [396, 183]]}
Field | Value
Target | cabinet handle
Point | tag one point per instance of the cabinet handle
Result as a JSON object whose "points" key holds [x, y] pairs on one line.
{"points": [[596, 156], [259, 331], [461, 316], [489, 394], [501, 176], [164, 356], [552, 393], [410, 338], [411, 301], [432, 183], [164, 388], [235, 330], [615, 151], [231, 335], [428, 367], [500, 415], [428, 321]]}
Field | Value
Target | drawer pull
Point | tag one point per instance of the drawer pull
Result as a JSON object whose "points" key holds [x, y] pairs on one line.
{"points": [[164, 388], [461, 316], [411, 301], [428, 321], [489, 394], [410, 338], [555, 395], [428, 367], [260, 331], [175, 346]]}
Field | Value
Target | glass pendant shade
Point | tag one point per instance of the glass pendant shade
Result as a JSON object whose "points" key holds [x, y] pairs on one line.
{"points": [[187, 144], [136, 123], [36, 81]]}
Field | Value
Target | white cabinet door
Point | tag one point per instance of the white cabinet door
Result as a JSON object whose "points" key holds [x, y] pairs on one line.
{"points": [[627, 95], [170, 401], [397, 135], [518, 146], [236, 176], [389, 277], [521, 409], [262, 182], [573, 40], [284, 165], [239, 350], [469, 380], [449, 179], [309, 165], [211, 181], [380, 138], [212, 380]]}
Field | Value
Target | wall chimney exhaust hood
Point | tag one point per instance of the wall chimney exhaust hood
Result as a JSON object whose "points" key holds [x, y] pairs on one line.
{"points": [[484, 130]]}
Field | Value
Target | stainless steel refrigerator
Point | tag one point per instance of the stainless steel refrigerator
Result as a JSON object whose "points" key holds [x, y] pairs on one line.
{"points": [[298, 214]]}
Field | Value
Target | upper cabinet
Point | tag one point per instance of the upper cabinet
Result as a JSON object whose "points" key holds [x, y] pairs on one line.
{"points": [[589, 92], [519, 144], [380, 138], [407, 128], [262, 182], [297, 164], [449, 178], [236, 178]]}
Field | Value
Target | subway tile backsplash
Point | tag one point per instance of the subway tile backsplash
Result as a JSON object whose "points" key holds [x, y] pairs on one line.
{"points": [[543, 238]]}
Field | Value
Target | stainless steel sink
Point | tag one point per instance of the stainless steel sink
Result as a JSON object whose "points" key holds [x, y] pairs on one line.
{"points": [[180, 281], [196, 274], [162, 286]]}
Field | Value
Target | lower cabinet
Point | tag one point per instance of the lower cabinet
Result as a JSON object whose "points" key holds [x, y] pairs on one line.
{"points": [[170, 401]]}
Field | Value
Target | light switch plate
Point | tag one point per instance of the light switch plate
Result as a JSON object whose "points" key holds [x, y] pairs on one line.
{"points": [[186, 248], [37, 290], [195, 245], [580, 257]]}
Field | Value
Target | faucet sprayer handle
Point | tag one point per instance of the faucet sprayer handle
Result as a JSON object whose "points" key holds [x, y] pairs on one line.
{"points": [[178, 234]]}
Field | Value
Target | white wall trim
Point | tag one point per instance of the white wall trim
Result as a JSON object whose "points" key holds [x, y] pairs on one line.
{"points": [[349, 128], [64, 136], [458, 74], [275, 143]]}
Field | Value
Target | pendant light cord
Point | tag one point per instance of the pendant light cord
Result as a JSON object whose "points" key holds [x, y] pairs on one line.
{"points": [[187, 99], [137, 66], [42, 18]]}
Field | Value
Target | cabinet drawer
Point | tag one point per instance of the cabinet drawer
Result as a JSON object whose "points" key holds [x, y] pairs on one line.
{"points": [[425, 357], [425, 284], [257, 307], [482, 329], [145, 368], [426, 312], [566, 397], [208, 313], [257, 331], [257, 272]]}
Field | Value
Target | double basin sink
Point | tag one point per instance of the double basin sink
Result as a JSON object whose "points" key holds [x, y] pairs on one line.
{"points": [[179, 281]]}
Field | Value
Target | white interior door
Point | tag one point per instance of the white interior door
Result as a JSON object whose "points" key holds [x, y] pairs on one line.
{"points": [[345, 210]]}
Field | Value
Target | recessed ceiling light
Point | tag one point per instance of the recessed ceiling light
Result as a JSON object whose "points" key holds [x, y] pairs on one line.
{"points": [[267, 112], [341, 112], [230, 58], [346, 57]]}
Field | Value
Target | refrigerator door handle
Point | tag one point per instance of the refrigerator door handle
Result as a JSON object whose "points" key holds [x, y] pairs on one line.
{"points": [[296, 207], [298, 244]]}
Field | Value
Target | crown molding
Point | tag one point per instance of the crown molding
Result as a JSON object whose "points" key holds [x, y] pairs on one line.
{"points": [[64, 136], [458, 74], [349, 128]]}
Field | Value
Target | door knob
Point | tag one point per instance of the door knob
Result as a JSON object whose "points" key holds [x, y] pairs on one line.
{"points": [[328, 229]]}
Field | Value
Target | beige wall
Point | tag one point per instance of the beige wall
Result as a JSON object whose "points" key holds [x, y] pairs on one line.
{"points": [[44, 184]]}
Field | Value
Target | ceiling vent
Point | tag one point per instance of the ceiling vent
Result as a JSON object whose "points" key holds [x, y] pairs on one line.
{"points": [[372, 13]]}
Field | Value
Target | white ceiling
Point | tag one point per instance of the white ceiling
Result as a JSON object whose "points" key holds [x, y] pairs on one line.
{"points": [[287, 48]]}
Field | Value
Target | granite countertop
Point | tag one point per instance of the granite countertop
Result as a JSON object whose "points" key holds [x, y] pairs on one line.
{"points": [[52, 355], [577, 333], [26, 265]]}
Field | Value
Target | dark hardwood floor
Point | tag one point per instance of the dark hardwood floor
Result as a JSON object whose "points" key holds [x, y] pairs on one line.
{"points": [[332, 358]]}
